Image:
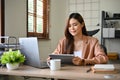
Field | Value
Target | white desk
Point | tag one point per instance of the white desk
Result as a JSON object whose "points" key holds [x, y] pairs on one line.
{"points": [[67, 72]]}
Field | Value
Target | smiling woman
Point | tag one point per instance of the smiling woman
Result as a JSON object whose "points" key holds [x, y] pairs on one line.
{"points": [[38, 18]]}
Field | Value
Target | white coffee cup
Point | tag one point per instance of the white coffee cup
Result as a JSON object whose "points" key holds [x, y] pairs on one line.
{"points": [[54, 64]]}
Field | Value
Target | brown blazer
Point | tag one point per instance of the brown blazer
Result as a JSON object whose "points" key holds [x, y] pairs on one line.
{"points": [[92, 51]]}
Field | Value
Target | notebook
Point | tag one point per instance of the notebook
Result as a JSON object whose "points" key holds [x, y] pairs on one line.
{"points": [[104, 68], [29, 47], [107, 67], [65, 58]]}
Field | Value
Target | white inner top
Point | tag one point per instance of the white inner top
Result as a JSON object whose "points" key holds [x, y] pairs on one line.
{"points": [[78, 53]]}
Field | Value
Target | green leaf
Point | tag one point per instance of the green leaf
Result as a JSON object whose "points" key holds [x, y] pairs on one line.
{"points": [[12, 57]]}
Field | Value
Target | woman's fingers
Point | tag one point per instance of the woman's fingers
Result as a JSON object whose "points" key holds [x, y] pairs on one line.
{"points": [[77, 61]]}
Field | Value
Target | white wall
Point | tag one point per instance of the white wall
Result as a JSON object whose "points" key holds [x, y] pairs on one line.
{"points": [[15, 18], [110, 5]]}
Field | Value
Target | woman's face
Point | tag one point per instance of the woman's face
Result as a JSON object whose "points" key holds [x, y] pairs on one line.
{"points": [[75, 27]]}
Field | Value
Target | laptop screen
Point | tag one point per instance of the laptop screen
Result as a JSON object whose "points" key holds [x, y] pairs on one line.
{"points": [[29, 47]]}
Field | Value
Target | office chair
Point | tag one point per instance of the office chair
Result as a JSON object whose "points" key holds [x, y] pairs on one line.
{"points": [[93, 32]]}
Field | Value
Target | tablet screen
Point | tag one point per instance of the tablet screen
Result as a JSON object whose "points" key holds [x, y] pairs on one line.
{"points": [[65, 58]]}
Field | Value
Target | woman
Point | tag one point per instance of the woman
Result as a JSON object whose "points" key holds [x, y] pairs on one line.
{"points": [[86, 49]]}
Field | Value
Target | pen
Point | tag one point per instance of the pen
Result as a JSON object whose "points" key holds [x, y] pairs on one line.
{"points": [[88, 70]]}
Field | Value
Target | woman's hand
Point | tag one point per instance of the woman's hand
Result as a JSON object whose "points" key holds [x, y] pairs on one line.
{"points": [[48, 59], [78, 61]]}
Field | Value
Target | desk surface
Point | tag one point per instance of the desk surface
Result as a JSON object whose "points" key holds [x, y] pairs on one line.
{"points": [[67, 72]]}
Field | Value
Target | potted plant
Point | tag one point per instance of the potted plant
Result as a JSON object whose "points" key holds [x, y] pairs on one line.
{"points": [[12, 59]]}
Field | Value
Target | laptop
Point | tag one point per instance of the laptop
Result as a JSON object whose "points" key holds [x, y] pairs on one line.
{"points": [[65, 58], [29, 47]]}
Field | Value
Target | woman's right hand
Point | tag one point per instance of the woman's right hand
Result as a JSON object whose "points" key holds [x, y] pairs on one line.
{"points": [[48, 59]]}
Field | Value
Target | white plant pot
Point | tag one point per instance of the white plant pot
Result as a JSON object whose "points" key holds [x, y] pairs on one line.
{"points": [[12, 66]]}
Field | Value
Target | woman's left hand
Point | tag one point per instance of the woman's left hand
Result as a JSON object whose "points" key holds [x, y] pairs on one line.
{"points": [[78, 61]]}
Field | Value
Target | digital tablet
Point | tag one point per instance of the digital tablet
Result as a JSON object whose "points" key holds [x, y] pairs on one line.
{"points": [[65, 58]]}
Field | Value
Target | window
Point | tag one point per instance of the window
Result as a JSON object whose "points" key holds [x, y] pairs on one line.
{"points": [[38, 19]]}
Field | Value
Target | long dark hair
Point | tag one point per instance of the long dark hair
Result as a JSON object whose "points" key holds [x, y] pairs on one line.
{"points": [[69, 46]]}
